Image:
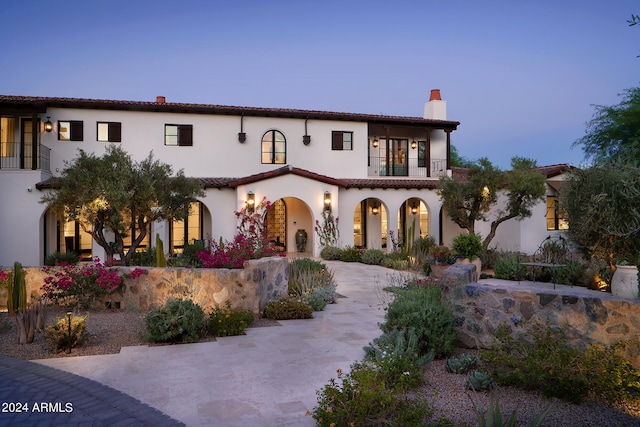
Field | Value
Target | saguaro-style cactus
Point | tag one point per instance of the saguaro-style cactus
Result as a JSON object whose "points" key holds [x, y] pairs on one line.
{"points": [[30, 319], [160, 261]]}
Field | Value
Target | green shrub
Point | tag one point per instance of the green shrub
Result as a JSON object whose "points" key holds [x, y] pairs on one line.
{"points": [[179, 320], [574, 273], [351, 254], [331, 253], [311, 282], [226, 321], [146, 258], [467, 245], [58, 333], [543, 362], [420, 308], [363, 398], [507, 266], [288, 307], [372, 256], [57, 258], [396, 355], [421, 248], [489, 258]]}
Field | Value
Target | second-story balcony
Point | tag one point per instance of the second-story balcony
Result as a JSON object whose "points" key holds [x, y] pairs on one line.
{"points": [[411, 167], [16, 155]]}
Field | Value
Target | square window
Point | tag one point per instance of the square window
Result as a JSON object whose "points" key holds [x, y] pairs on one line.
{"points": [[341, 140], [180, 135], [71, 130], [109, 132]]}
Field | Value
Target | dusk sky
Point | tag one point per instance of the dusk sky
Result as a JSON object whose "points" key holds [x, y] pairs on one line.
{"points": [[521, 77]]}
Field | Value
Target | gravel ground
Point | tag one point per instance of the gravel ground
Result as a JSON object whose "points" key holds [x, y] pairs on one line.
{"points": [[446, 393]]}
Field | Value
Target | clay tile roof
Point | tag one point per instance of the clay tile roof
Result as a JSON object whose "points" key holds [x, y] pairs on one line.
{"points": [[31, 102], [391, 183], [284, 171]]}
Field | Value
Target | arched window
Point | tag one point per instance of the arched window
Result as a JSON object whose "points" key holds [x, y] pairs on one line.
{"points": [[274, 147]]}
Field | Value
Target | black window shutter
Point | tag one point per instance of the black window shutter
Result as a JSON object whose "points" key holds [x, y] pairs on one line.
{"points": [[185, 135], [336, 140], [115, 132], [77, 131]]}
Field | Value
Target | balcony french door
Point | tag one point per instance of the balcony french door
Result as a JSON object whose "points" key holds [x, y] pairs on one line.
{"points": [[394, 160]]}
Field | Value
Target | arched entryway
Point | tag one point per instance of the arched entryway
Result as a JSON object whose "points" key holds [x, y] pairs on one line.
{"points": [[370, 224], [413, 217], [289, 217]]}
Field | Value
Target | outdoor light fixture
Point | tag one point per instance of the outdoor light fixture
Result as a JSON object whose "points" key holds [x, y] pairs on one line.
{"points": [[251, 201], [48, 126], [414, 209], [306, 138], [242, 136], [414, 144], [69, 314], [375, 142], [327, 201], [375, 209]]}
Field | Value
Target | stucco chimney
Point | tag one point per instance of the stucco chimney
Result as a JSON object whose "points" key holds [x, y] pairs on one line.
{"points": [[161, 99], [436, 108]]}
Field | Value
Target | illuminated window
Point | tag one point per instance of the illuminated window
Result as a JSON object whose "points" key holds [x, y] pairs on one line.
{"points": [[556, 218], [72, 130], [274, 147], [188, 230]]}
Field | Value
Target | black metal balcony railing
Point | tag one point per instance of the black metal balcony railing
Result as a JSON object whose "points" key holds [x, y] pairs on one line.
{"points": [[378, 166], [13, 157]]}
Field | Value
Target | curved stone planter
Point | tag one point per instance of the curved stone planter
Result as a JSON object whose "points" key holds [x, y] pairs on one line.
{"points": [[624, 283]]}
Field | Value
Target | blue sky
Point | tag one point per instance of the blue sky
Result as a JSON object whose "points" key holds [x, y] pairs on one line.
{"points": [[521, 77]]}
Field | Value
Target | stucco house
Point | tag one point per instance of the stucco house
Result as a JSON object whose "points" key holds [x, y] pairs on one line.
{"points": [[377, 173]]}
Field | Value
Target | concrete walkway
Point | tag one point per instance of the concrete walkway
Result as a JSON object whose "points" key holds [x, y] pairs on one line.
{"points": [[268, 377]]}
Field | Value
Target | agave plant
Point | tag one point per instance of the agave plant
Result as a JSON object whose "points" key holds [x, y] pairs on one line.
{"points": [[461, 364], [493, 416], [480, 381]]}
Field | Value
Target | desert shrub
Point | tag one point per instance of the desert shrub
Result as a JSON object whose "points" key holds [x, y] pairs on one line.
{"points": [[331, 253], [421, 309], [507, 266], [372, 256], [574, 273], [288, 307], [58, 333], [544, 362], [58, 258], [226, 321], [396, 355], [146, 258], [179, 320], [312, 283], [489, 258], [396, 260], [363, 398], [189, 256], [351, 254], [421, 247]]}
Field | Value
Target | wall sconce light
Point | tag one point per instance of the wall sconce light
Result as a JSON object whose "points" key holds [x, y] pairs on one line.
{"points": [[251, 201], [306, 138], [327, 201], [375, 209], [375, 142], [414, 144], [48, 126], [242, 136], [414, 209]]}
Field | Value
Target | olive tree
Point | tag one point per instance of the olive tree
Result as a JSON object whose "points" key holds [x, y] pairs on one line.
{"points": [[113, 194], [476, 197], [603, 209]]}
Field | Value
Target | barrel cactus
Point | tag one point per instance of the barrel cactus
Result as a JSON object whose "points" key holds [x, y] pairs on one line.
{"points": [[480, 381], [461, 364]]}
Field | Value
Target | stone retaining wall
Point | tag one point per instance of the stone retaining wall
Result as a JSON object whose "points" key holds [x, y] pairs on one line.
{"points": [[590, 317], [259, 282]]}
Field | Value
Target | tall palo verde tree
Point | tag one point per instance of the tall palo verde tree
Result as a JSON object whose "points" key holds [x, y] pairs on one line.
{"points": [[113, 197]]}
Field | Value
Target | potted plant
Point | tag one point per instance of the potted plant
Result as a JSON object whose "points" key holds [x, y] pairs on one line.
{"points": [[439, 259], [468, 246]]}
